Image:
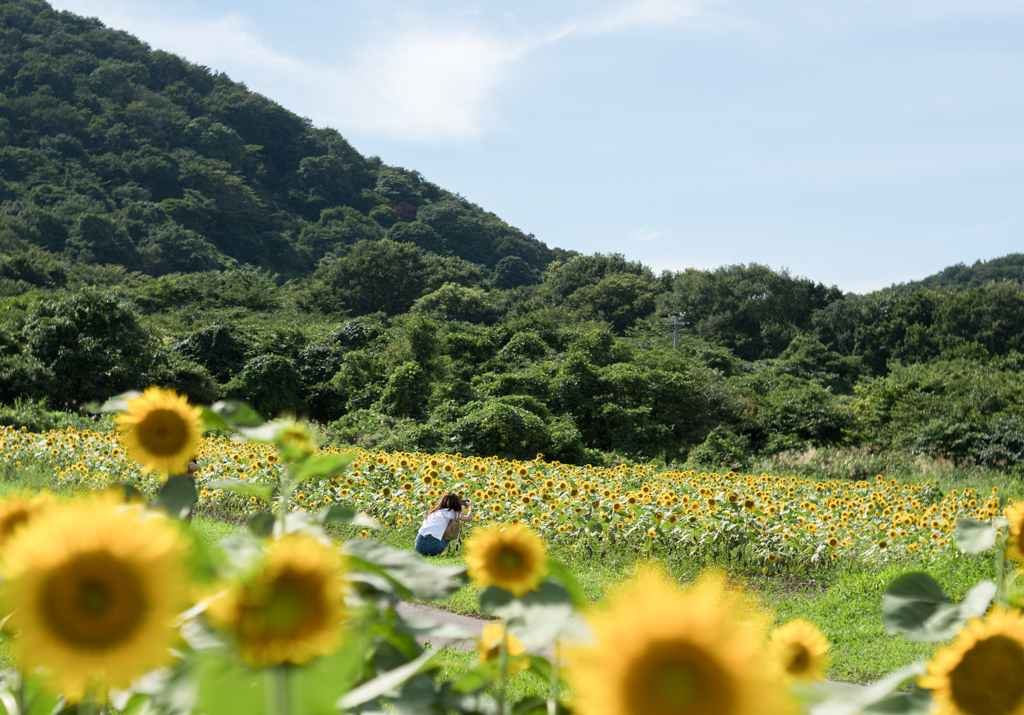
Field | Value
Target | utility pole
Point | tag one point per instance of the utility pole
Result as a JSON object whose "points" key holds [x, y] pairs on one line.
{"points": [[675, 327]]}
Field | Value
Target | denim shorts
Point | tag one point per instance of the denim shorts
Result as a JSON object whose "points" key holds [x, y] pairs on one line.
{"points": [[429, 545]]}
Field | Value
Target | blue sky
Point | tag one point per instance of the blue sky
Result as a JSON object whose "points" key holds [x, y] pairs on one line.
{"points": [[858, 143]]}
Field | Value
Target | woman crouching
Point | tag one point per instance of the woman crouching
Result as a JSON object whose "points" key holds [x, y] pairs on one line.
{"points": [[430, 539]]}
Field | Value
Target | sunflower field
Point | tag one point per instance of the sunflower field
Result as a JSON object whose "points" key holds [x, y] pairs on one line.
{"points": [[774, 521], [110, 604]]}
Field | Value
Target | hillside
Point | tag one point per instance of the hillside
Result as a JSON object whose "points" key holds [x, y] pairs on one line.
{"points": [[113, 153], [1006, 269]]}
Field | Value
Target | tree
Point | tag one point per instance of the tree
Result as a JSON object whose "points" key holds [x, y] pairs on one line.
{"points": [[375, 276]]}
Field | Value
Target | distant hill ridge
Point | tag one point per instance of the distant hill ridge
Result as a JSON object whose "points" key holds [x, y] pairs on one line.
{"points": [[111, 152], [961, 277]]}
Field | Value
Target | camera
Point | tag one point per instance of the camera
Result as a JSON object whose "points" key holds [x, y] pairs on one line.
{"points": [[465, 502]]}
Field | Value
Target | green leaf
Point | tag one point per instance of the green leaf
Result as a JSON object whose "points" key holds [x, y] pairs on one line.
{"points": [[973, 536], [212, 421], [129, 492], [339, 514], [262, 491], [977, 600], [326, 466], [118, 403], [917, 702], [261, 524], [558, 571], [536, 617], [236, 413], [855, 702], [390, 680], [915, 606], [477, 678], [177, 496], [414, 576]]}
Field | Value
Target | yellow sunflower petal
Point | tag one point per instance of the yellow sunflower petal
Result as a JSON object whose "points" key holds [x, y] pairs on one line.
{"points": [[161, 431], [95, 590], [1015, 540]]}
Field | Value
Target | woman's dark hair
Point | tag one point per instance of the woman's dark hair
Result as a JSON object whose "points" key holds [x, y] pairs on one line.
{"points": [[448, 501]]}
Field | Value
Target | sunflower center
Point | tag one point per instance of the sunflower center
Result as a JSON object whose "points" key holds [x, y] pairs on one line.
{"points": [[797, 659], [93, 601], [12, 522], [678, 678], [294, 605], [988, 681], [509, 559], [162, 432]]}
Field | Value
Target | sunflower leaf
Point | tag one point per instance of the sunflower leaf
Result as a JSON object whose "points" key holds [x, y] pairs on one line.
{"points": [[326, 466], [261, 524], [261, 491], [915, 606], [564, 576], [339, 514], [536, 617], [408, 570], [390, 680], [212, 421], [977, 600], [177, 496], [973, 536], [236, 413], [118, 403]]}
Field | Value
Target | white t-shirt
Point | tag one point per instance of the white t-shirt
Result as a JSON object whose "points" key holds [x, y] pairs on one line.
{"points": [[435, 524]]}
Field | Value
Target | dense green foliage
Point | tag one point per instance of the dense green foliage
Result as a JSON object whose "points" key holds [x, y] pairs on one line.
{"points": [[162, 224]]}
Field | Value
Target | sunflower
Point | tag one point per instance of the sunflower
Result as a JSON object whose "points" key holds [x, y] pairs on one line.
{"points": [[18, 510], [660, 651], [489, 645], [291, 609], [161, 430], [1015, 541], [800, 649], [511, 557], [95, 589], [980, 674]]}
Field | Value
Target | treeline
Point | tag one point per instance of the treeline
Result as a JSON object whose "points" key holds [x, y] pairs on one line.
{"points": [[767, 363], [162, 224]]}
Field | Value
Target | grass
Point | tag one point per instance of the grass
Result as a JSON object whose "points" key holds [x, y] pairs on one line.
{"points": [[843, 600]]}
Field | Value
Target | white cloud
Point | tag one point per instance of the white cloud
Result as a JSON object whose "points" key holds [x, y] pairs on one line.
{"points": [[423, 82], [644, 235]]}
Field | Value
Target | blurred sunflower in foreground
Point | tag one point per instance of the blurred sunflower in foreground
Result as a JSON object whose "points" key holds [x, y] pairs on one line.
{"points": [[16, 511], [94, 589], [161, 430], [511, 557], [291, 609], [489, 646], [800, 649], [1015, 541], [982, 673], [662, 651]]}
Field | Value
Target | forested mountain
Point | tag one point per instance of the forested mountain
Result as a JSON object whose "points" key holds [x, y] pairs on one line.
{"points": [[1007, 269], [113, 153], [162, 224]]}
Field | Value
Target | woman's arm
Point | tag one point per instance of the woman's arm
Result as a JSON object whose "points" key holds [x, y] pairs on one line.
{"points": [[468, 516]]}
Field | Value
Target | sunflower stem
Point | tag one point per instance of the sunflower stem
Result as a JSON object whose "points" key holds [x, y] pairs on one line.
{"points": [[553, 700], [503, 669], [278, 697]]}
